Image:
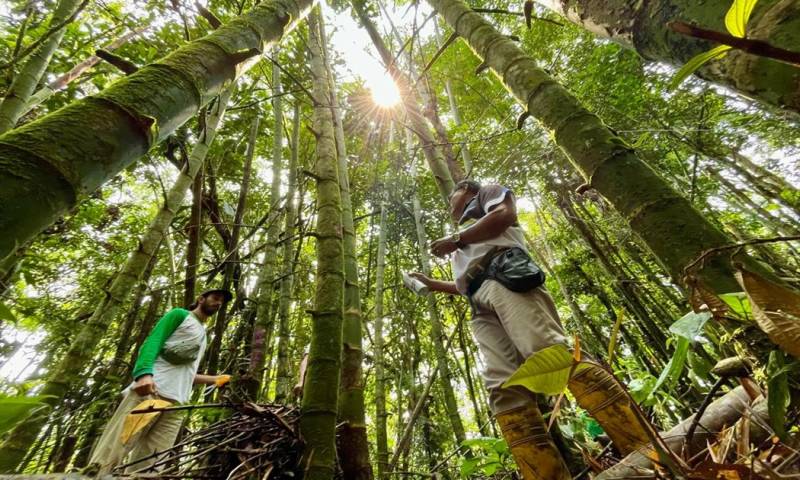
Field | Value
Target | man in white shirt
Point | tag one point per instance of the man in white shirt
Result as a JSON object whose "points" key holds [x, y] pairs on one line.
{"points": [[510, 326], [166, 369]]}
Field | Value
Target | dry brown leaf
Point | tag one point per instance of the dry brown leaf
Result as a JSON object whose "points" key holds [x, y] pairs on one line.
{"points": [[776, 309], [702, 297], [136, 422]]}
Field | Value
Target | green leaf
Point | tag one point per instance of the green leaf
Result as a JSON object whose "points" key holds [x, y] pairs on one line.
{"points": [[469, 465], [490, 468], [16, 409], [738, 15], [696, 62], [739, 304], [593, 428], [778, 388], [700, 365], [672, 371], [5, 314], [501, 447], [641, 388], [690, 326], [546, 371]]}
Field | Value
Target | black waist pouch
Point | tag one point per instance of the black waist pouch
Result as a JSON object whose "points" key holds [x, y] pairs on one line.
{"points": [[515, 270]]}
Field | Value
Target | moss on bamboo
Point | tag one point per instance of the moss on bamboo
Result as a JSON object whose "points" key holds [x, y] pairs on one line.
{"points": [[74, 150], [672, 228], [321, 394], [644, 26], [67, 372]]}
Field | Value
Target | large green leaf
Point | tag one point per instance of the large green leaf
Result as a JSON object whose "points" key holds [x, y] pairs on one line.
{"points": [[696, 62], [16, 409], [672, 371], [546, 371], [690, 326], [778, 388], [738, 15], [739, 304]]}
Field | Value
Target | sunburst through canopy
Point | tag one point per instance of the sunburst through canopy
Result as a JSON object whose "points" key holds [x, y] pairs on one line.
{"points": [[384, 91]]}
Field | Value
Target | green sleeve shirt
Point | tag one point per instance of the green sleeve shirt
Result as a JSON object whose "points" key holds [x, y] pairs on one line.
{"points": [[151, 347]]}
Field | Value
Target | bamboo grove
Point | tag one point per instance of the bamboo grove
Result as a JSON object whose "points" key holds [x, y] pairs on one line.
{"points": [[150, 151]]}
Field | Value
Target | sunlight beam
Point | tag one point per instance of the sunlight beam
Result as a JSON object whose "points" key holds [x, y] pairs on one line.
{"points": [[385, 93]]}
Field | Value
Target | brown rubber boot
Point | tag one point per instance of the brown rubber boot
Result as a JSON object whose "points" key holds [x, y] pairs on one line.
{"points": [[534, 451], [604, 399]]}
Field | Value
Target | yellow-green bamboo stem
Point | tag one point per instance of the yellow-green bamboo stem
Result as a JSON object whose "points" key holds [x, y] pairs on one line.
{"points": [[321, 393]]}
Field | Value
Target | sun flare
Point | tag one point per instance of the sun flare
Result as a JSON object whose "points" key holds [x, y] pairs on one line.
{"points": [[384, 91]]}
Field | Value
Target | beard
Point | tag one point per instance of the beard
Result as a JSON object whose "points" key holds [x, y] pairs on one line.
{"points": [[209, 309]]}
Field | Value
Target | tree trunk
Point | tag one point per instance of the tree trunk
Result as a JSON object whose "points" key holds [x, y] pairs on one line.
{"points": [[194, 231], [672, 228], [118, 366], [61, 82], [265, 310], [644, 26], [381, 435], [283, 370], [13, 105], [778, 225], [437, 332], [68, 371], [431, 112], [46, 165], [419, 126], [352, 442], [232, 254], [456, 112], [321, 392]]}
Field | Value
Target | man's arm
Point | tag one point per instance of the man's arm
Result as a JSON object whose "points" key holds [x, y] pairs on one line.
{"points": [[495, 222], [437, 285], [219, 380], [143, 369]]}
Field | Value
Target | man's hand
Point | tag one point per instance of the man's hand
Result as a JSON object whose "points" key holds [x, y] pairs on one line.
{"points": [[443, 246], [421, 277], [222, 380], [144, 385]]}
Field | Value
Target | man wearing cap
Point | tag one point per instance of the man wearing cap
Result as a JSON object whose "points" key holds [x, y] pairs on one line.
{"points": [[166, 369], [513, 318]]}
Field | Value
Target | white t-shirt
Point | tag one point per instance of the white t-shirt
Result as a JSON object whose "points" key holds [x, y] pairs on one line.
{"points": [[488, 197], [174, 382]]}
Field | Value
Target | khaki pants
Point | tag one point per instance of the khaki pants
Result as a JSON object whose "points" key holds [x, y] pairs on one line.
{"points": [[109, 451], [509, 327]]}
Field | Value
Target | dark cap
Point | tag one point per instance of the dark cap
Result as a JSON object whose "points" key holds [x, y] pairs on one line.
{"points": [[225, 293]]}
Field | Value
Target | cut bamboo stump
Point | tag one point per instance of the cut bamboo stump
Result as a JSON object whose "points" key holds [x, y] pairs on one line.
{"points": [[723, 412]]}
